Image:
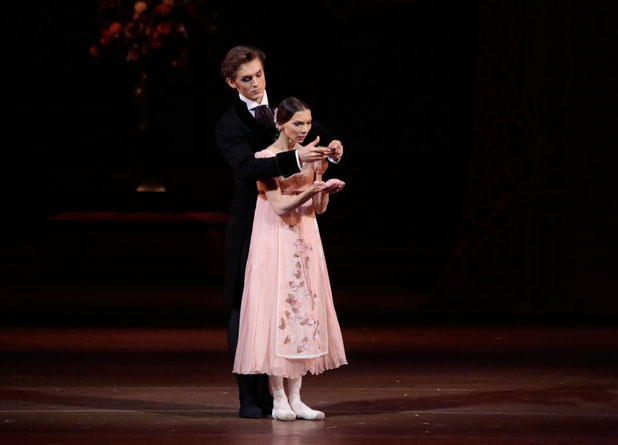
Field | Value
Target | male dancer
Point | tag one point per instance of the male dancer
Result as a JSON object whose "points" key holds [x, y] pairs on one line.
{"points": [[247, 127]]}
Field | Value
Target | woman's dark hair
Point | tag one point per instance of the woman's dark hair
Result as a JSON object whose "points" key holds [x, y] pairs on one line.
{"points": [[236, 57], [287, 107]]}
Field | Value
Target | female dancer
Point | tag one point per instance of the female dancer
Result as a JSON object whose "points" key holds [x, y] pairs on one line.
{"points": [[288, 324]]}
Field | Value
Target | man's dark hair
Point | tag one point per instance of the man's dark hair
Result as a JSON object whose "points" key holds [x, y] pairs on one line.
{"points": [[238, 55]]}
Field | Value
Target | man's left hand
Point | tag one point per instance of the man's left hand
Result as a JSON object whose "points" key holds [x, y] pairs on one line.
{"points": [[336, 150]]}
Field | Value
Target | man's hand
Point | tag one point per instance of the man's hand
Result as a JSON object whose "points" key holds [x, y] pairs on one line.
{"points": [[311, 152], [336, 150]]}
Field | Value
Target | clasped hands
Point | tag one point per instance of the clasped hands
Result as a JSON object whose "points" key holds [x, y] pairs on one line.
{"points": [[313, 152]]}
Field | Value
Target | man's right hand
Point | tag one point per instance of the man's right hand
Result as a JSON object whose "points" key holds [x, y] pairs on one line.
{"points": [[311, 152]]}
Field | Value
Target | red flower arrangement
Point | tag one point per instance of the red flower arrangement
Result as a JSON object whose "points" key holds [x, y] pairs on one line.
{"points": [[150, 34], [139, 30]]}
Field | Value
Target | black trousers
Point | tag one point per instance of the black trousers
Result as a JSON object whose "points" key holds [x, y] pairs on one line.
{"points": [[232, 331], [252, 389]]}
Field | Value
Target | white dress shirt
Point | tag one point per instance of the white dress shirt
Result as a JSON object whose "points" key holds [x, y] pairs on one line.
{"points": [[252, 105]]}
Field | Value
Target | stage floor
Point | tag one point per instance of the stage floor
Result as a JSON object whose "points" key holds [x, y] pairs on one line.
{"points": [[425, 385]]}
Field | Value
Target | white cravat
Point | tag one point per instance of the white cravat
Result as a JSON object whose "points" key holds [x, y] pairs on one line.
{"points": [[251, 104]]}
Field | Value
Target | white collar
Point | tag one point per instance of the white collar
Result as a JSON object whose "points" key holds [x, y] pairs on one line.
{"points": [[251, 104]]}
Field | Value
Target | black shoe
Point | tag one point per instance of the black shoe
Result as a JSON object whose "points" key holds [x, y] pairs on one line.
{"points": [[264, 398], [248, 411], [249, 405]]}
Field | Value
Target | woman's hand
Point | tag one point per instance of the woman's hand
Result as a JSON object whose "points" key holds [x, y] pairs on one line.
{"points": [[317, 186], [333, 185]]}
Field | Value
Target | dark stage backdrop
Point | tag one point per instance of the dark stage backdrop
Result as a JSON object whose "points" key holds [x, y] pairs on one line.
{"points": [[480, 145]]}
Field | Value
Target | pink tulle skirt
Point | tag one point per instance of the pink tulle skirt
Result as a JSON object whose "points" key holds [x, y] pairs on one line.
{"points": [[274, 327]]}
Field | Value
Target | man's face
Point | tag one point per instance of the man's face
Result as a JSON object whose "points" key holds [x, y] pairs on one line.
{"points": [[249, 80]]}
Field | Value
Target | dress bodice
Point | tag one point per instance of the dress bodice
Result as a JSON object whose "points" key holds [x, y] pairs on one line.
{"points": [[297, 182]]}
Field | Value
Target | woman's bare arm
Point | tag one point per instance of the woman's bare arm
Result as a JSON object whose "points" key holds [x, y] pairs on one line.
{"points": [[283, 204]]}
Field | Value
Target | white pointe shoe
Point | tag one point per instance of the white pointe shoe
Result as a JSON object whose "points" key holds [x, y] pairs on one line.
{"points": [[282, 411], [304, 412]]}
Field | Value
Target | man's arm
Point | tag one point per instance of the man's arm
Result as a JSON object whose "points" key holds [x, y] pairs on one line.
{"points": [[239, 155]]}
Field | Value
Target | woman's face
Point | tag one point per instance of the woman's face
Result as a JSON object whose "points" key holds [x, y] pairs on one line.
{"points": [[297, 128]]}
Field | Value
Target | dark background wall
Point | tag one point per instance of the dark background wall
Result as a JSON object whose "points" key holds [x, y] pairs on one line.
{"points": [[480, 148]]}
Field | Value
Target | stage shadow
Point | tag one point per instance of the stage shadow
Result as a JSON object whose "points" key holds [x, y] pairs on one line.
{"points": [[32, 398], [555, 396]]}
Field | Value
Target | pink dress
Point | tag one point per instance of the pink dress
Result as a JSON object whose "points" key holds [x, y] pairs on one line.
{"points": [[288, 324]]}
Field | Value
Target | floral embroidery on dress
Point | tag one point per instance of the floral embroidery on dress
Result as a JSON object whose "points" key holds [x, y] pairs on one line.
{"points": [[299, 318]]}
